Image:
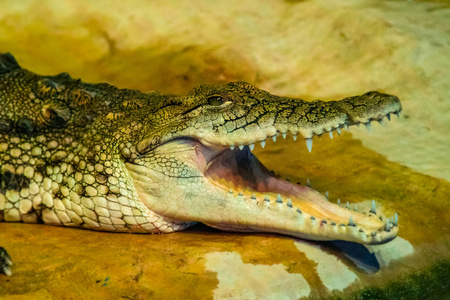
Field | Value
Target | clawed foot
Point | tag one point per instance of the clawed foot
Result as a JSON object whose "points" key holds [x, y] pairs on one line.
{"points": [[5, 262]]}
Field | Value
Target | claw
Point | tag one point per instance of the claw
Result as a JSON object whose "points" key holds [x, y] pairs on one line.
{"points": [[5, 262], [7, 271]]}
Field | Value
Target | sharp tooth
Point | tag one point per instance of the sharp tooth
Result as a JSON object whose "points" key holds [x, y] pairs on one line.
{"points": [[388, 225], [240, 194], [308, 183], [241, 147], [350, 222], [251, 146], [397, 114], [388, 116], [395, 220], [338, 130], [266, 198], [348, 205], [309, 144], [289, 202], [326, 194], [263, 143], [274, 138], [299, 211], [279, 199], [231, 147], [295, 137], [231, 192], [356, 207], [312, 218], [368, 126], [346, 127], [373, 209], [331, 134], [381, 122], [339, 201], [284, 135]]}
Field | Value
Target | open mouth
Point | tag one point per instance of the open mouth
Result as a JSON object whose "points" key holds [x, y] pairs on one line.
{"points": [[215, 178], [238, 172]]}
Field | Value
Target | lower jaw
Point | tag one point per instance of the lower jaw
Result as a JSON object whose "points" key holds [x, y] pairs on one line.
{"points": [[241, 174]]}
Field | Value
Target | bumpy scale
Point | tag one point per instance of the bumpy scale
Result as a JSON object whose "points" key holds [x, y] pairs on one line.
{"points": [[94, 156]]}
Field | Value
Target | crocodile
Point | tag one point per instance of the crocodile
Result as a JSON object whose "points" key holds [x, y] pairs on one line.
{"points": [[94, 156]]}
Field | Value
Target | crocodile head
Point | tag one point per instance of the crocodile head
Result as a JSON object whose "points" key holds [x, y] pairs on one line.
{"points": [[174, 160], [206, 170]]}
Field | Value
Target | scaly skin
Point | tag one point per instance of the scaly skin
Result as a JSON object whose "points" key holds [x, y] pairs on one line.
{"points": [[93, 156]]}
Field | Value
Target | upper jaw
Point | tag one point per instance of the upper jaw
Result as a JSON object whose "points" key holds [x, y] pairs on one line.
{"points": [[332, 117]]}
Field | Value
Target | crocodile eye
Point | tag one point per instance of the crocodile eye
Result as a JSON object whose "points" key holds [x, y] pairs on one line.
{"points": [[215, 100]]}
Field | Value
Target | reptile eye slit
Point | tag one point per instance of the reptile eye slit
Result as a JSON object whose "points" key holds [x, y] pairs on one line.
{"points": [[216, 100]]}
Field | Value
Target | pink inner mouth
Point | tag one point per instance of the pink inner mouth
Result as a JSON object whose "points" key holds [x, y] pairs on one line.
{"points": [[241, 171]]}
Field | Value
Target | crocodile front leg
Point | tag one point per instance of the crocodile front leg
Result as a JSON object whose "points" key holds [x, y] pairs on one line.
{"points": [[5, 262]]}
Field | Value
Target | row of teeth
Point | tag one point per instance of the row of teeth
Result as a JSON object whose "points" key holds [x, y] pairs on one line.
{"points": [[393, 221], [309, 141]]}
